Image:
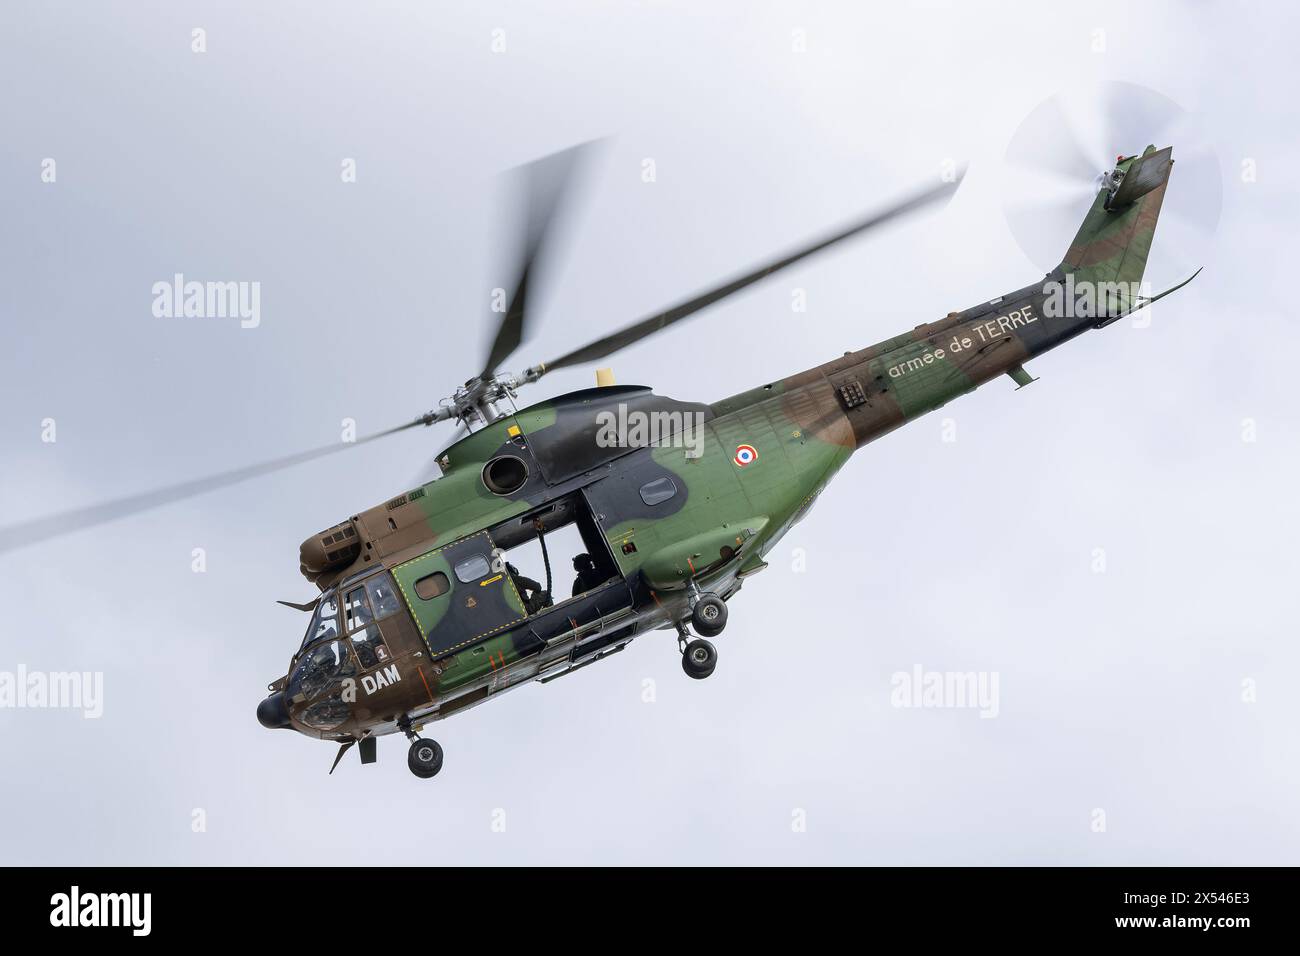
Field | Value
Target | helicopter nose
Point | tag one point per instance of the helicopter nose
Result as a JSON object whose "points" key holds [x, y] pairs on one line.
{"points": [[273, 713]]}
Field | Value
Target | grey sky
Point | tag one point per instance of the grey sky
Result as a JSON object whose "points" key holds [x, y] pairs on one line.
{"points": [[1120, 691]]}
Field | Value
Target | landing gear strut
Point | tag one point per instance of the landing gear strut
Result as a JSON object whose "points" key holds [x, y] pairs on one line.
{"points": [[425, 756]]}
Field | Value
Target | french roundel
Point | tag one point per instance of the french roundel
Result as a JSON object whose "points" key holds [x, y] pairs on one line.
{"points": [[745, 454]]}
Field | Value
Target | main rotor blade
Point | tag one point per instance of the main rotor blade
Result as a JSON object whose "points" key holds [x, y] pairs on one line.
{"points": [[545, 182], [51, 526], [655, 323]]}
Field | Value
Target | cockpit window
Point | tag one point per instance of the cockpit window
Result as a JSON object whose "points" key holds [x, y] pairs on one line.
{"points": [[321, 668], [324, 622], [318, 679], [472, 569], [327, 617], [383, 599], [357, 610], [326, 714], [366, 639]]}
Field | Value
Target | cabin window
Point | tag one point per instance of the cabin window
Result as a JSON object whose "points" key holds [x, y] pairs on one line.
{"points": [[472, 569], [658, 491], [383, 597], [431, 586]]}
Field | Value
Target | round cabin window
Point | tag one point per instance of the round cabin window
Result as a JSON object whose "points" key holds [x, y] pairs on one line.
{"points": [[505, 474]]}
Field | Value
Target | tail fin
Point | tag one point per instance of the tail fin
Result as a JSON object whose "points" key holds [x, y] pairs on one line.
{"points": [[1115, 238]]}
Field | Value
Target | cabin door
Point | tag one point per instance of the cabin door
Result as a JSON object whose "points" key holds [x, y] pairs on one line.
{"points": [[457, 594]]}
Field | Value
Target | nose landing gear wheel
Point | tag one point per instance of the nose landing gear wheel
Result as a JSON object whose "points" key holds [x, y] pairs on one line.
{"points": [[699, 659], [425, 757], [709, 616]]}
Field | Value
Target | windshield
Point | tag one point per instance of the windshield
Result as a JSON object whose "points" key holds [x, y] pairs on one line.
{"points": [[319, 680], [324, 663], [324, 622], [320, 669]]}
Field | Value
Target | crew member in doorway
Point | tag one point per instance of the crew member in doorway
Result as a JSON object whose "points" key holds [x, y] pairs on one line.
{"points": [[588, 577], [533, 596]]}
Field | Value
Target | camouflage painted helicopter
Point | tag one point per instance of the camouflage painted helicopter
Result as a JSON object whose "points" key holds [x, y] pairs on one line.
{"points": [[422, 611]]}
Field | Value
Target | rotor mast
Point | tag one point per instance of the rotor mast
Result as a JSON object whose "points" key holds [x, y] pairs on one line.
{"points": [[479, 401]]}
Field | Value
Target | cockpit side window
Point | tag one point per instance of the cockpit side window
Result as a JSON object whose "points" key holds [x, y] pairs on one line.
{"points": [[357, 610], [366, 639], [383, 597]]}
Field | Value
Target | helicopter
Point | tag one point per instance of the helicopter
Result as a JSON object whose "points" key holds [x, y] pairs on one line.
{"points": [[670, 506]]}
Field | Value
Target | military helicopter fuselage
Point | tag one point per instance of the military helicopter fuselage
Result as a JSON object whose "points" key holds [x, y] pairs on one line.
{"points": [[422, 614]]}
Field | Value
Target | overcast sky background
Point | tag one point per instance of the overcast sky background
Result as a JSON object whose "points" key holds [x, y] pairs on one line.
{"points": [[1120, 691]]}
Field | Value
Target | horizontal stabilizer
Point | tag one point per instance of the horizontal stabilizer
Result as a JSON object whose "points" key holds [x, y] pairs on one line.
{"points": [[1143, 303], [1148, 171]]}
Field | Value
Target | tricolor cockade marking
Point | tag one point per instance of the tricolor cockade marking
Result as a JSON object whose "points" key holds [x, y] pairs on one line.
{"points": [[745, 455]]}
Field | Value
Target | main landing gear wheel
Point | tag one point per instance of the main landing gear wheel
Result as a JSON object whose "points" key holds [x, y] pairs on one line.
{"points": [[425, 757], [709, 616], [699, 659]]}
